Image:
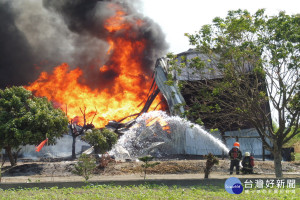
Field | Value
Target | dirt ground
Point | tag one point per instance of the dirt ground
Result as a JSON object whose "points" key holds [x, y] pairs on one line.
{"points": [[26, 172]]}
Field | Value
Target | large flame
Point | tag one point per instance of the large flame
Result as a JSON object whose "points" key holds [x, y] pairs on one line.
{"points": [[121, 99]]}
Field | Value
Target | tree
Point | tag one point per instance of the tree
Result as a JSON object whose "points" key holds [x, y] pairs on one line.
{"points": [[77, 131], [85, 166], [146, 165], [102, 140], [211, 160], [26, 120], [254, 60]]}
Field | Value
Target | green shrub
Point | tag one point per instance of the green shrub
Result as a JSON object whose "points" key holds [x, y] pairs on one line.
{"points": [[85, 166], [102, 140], [146, 160], [293, 156], [211, 160]]}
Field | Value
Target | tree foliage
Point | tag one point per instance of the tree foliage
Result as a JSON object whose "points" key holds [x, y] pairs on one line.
{"points": [[26, 119], [102, 140], [254, 61], [211, 160], [147, 164], [85, 166]]}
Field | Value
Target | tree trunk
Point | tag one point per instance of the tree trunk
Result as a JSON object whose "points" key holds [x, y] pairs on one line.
{"points": [[277, 162], [73, 147], [1, 164], [224, 141], [206, 173], [263, 153], [2, 159], [97, 150], [10, 156], [263, 150], [15, 154]]}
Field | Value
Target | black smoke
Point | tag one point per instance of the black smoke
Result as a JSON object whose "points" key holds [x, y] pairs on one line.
{"points": [[16, 58], [38, 35]]}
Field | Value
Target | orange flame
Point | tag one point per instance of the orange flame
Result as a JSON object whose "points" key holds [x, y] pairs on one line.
{"points": [[130, 88], [164, 125]]}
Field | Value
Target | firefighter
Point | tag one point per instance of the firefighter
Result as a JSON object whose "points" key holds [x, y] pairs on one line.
{"points": [[235, 156], [248, 164]]}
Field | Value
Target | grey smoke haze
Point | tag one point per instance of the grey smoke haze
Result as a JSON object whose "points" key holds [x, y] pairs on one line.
{"points": [[38, 35]]}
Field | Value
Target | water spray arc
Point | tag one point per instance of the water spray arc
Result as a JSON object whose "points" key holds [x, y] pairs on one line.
{"points": [[179, 136]]}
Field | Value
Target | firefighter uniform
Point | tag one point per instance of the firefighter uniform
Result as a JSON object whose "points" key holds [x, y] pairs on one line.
{"points": [[235, 156], [248, 164]]}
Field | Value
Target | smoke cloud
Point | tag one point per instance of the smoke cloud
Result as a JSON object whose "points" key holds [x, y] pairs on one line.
{"points": [[38, 35]]}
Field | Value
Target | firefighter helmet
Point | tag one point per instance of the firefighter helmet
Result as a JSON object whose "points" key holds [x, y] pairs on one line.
{"points": [[236, 144]]}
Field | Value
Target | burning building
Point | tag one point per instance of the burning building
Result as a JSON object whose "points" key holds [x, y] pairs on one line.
{"points": [[231, 128]]}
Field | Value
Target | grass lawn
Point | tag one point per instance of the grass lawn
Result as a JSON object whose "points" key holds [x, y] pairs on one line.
{"points": [[145, 191]]}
